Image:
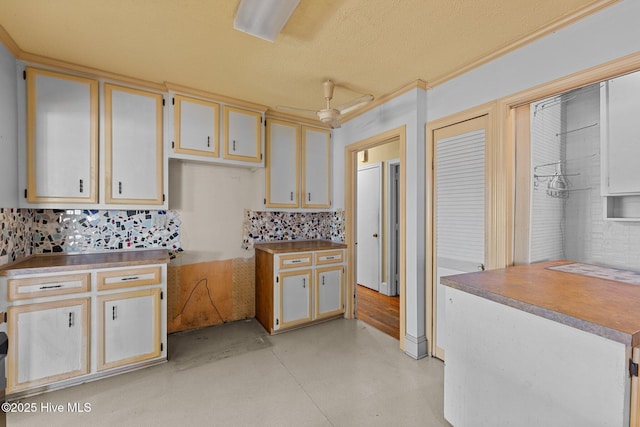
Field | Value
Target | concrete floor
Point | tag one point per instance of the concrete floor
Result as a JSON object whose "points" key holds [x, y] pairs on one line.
{"points": [[339, 373]]}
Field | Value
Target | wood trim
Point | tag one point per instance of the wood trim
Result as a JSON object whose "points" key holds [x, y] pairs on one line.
{"points": [[101, 300], [520, 116], [295, 202], [13, 357], [339, 310], [129, 277], [279, 115], [108, 111], [416, 84], [339, 254], [32, 190], [264, 289], [49, 283], [282, 275], [177, 123], [351, 166], [305, 258], [303, 177], [175, 87], [634, 409], [9, 42], [554, 26], [226, 109], [498, 198]]}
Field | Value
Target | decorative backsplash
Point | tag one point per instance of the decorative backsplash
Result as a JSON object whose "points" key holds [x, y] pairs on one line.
{"points": [[267, 226], [35, 231]]}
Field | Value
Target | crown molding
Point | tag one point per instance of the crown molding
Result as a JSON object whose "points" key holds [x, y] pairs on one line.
{"points": [[9, 42], [185, 90], [279, 115]]}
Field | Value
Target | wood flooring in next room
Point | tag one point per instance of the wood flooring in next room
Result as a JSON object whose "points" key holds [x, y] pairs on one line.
{"points": [[378, 310]]}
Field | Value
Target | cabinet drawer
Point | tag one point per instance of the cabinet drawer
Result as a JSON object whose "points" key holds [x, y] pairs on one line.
{"points": [[39, 287], [329, 257], [128, 278], [303, 259]]}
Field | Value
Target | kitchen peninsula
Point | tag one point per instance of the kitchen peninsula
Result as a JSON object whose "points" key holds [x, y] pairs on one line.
{"points": [[534, 345]]}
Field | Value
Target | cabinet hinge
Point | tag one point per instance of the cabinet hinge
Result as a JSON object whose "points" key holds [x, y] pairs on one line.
{"points": [[161, 295], [633, 368], [163, 102], [173, 144], [161, 346], [4, 317], [24, 74], [277, 279], [260, 156], [163, 198], [173, 101], [264, 201], [277, 321], [25, 193]]}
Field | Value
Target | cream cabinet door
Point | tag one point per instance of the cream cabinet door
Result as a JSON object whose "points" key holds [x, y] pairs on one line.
{"points": [[48, 342], [62, 138], [329, 289], [129, 327], [294, 288], [133, 134], [282, 173], [242, 135], [196, 126], [316, 161]]}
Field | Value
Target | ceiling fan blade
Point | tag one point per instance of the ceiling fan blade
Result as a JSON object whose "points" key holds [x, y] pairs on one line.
{"points": [[295, 109], [355, 104]]}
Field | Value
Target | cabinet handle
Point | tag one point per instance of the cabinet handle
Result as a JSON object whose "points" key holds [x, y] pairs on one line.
{"points": [[309, 196], [304, 282], [234, 145], [124, 279], [208, 141], [114, 312], [291, 196], [322, 280], [50, 287], [71, 320], [119, 187], [81, 186]]}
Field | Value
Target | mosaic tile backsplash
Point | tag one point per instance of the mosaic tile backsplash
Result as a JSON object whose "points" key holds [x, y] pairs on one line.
{"points": [[267, 226], [35, 231]]}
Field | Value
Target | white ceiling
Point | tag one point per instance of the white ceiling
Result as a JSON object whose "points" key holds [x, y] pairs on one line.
{"points": [[365, 46]]}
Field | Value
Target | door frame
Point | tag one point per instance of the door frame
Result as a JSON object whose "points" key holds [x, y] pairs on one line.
{"points": [[393, 205], [350, 200], [498, 218], [377, 165]]}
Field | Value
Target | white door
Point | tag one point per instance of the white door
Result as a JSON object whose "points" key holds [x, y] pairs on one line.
{"points": [[242, 134], [196, 126], [459, 183], [316, 149], [295, 298], [328, 294], [282, 164], [369, 199]]}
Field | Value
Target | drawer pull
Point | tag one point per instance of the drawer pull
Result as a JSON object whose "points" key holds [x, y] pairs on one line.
{"points": [[296, 261], [330, 257], [124, 279], [50, 287], [71, 320]]}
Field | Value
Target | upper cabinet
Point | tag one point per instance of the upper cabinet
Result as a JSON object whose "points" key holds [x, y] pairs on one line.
{"points": [[133, 146], [242, 134], [316, 155], [196, 125], [298, 166], [62, 138]]}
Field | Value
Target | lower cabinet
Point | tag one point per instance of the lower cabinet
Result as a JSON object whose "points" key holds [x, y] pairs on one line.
{"points": [[47, 342], [129, 328], [298, 288], [69, 327]]}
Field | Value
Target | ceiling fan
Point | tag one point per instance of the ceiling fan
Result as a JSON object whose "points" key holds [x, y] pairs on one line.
{"points": [[329, 115]]}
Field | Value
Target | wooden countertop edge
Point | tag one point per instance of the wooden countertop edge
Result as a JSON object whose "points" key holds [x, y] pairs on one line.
{"points": [[133, 258], [583, 325]]}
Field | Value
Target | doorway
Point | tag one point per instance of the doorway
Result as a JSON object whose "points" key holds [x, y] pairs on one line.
{"points": [[394, 137]]}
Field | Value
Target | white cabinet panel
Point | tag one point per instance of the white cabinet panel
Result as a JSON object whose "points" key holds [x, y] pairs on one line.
{"points": [[329, 290], [283, 144], [133, 146], [295, 298], [316, 152], [62, 138], [197, 126], [50, 340], [130, 327], [242, 135]]}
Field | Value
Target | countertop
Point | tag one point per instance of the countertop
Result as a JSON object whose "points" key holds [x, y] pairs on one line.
{"points": [[51, 263], [603, 307], [298, 246]]}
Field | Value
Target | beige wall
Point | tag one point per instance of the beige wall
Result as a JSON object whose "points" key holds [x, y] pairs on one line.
{"points": [[382, 153]]}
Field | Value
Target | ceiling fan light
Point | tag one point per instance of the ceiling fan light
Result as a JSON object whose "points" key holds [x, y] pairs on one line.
{"points": [[263, 18]]}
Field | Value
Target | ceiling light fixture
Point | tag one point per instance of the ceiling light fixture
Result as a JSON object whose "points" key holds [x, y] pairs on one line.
{"points": [[263, 18]]}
